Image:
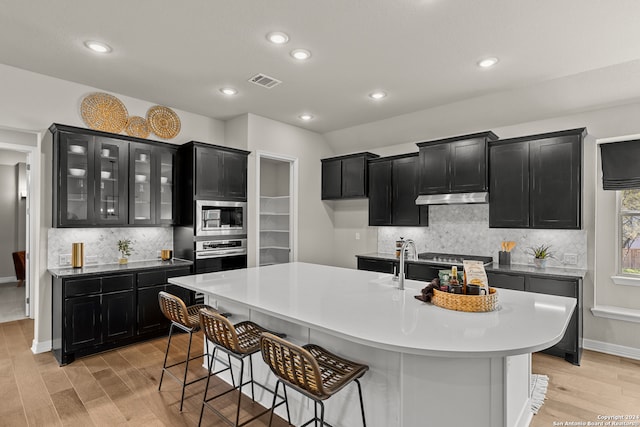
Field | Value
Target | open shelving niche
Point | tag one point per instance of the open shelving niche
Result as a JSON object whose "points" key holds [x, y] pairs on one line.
{"points": [[275, 237]]}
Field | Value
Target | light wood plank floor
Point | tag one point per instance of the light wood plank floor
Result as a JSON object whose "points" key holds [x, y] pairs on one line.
{"points": [[119, 387]]}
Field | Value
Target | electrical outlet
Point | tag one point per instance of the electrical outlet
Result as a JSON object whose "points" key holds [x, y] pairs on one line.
{"points": [[357, 236], [65, 259], [571, 259], [91, 259]]}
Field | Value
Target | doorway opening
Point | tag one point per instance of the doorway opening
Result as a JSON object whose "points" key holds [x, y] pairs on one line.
{"points": [[15, 277], [276, 237]]}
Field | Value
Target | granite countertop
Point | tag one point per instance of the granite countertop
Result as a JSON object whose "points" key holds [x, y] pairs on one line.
{"points": [[366, 307], [497, 268], [117, 268]]}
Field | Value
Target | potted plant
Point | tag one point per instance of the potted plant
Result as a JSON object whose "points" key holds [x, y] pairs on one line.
{"points": [[125, 248], [541, 254]]}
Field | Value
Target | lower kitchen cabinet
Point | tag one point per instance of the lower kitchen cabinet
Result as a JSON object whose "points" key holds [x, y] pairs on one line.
{"points": [[570, 346], [150, 319], [97, 312], [379, 265]]}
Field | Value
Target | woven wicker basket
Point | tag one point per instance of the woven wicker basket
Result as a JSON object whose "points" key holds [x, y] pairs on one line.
{"points": [[470, 303]]}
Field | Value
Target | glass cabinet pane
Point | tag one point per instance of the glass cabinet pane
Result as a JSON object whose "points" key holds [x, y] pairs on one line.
{"points": [[142, 184], [166, 186], [76, 151], [108, 192]]}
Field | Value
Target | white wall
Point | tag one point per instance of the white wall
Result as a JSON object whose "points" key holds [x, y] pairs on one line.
{"points": [[603, 123], [315, 219], [8, 219], [31, 103]]}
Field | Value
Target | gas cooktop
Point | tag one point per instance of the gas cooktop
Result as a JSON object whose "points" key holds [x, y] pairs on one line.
{"points": [[452, 259]]}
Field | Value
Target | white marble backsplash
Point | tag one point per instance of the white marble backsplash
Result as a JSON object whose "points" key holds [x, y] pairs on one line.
{"points": [[464, 229], [103, 243]]}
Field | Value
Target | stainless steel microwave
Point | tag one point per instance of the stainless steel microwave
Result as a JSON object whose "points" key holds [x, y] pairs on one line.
{"points": [[220, 218]]}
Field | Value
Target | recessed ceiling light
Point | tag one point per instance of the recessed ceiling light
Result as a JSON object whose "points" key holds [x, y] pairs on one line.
{"points": [[301, 54], [377, 95], [277, 37], [97, 46], [306, 117], [229, 91], [488, 62]]}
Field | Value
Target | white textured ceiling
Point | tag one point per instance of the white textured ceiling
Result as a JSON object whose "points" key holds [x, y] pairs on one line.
{"points": [[423, 53]]}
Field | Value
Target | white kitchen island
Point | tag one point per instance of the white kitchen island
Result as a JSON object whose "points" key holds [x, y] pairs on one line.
{"points": [[429, 365]]}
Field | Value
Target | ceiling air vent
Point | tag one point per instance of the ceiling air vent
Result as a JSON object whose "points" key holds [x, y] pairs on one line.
{"points": [[264, 81]]}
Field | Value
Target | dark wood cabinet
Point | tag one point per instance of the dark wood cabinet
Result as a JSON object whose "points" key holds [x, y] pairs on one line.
{"points": [[118, 315], [393, 188], [102, 179], [331, 179], [379, 265], [83, 322], [556, 182], [91, 176], [506, 281], [97, 312], [536, 181], [380, 193], [220, 173], [345, 177], [149, 283], [151, 185], [569, 347], [509, 185], [454, 165], [413, 270], [422, 272]]}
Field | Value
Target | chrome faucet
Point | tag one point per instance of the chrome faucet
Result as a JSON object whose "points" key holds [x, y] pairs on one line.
{"points": [[406, 243]]}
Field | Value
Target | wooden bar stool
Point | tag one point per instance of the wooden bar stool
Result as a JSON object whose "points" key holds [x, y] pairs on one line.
{"points": [[311, 370], [239, 341], [186, 319]]}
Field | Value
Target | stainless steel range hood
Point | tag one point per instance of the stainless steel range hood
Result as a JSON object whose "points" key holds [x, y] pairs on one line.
{"points": [[452, 199]]}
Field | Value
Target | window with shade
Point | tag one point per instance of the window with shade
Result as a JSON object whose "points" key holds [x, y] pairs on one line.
{"points": [[629, 231]]}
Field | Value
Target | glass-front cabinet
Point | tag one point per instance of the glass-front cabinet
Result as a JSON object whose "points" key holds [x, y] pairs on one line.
{"points": [[111, 181], [107, 181], [92, 183], [151, 184], [75, 167], [164, 209]]}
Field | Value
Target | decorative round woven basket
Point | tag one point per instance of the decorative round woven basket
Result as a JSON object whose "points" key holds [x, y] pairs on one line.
{"points": [[471, 303], [104, 112], [163, 121], [137, 126]]}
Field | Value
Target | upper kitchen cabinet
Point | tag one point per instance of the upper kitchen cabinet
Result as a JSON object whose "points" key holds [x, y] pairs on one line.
{"points": [[103, 179], [151, 186], [90, 180], [212, 172], [509, 184], [455, 165], [536, 181], [393, 188], [345, 177]]}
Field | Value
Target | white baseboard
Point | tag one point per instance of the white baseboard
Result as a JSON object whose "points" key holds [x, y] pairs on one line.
{"points": [[41, 347], [8, 279], [615, 349]]}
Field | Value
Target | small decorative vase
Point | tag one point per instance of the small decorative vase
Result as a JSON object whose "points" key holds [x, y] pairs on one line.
{"points": [[540, 262], [123, 261]]}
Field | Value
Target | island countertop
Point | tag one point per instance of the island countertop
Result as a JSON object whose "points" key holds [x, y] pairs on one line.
{"points": [[365, 307]]}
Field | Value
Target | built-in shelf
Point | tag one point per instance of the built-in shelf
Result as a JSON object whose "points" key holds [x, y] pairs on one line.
{"points": [[275, 242]]}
